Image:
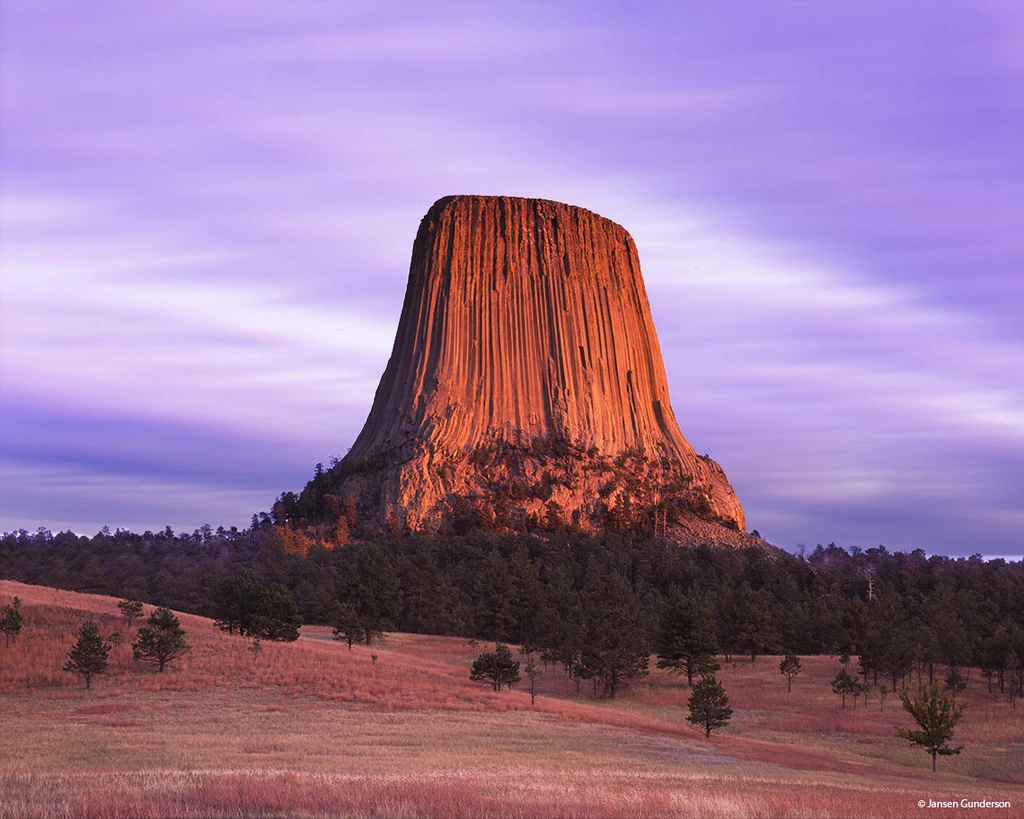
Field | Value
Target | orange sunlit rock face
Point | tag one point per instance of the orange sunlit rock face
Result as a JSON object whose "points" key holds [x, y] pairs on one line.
{"points": [[526, 379]]}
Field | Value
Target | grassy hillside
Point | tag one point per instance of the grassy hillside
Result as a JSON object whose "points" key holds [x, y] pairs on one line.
{"points": [[397, 729]]}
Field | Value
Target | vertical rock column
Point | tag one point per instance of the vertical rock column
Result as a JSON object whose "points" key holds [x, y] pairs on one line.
{"points": [[524, 321]]}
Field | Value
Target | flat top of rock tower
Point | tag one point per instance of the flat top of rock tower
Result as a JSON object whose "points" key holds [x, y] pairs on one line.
{"points": [[454, 200]]}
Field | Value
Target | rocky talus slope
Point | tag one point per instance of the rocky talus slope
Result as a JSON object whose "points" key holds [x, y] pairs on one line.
{"points": [[526, 383]]}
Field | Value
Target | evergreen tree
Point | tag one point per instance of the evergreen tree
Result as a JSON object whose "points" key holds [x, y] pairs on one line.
{"points": [[279, 618], [428, 604], [937, 715], [887, 650], [348, 625], [533, 674], [942, 610], [371, 589], [527, 600], [131, 610], [955, 683], [88, 656], [686, 641], [11, 620], [789, 668], [994, 649], [615, 648], [859, 687], [709, 705], [1014, 676], [845, 683], [497, 616], [256, 609], [161, 640], [497, 668], [756, 623], [562, 627]]}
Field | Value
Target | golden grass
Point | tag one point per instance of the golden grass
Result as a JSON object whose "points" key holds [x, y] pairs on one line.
{"points": [[312, 729]]}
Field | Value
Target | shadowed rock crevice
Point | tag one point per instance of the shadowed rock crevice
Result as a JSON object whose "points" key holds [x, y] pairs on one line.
{"points": [[526, 382]]}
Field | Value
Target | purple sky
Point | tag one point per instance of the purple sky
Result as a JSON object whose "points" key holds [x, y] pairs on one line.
{"points": [[208, 210]]}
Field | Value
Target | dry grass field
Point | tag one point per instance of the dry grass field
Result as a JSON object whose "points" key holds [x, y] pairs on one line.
{"points": [[313, 729]]}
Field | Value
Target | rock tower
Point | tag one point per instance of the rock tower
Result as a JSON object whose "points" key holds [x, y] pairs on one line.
{"points": [[526, 384]]}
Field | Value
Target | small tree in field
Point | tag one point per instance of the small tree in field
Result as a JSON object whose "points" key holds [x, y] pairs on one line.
{"points": [[161, 640], [845, 683], [497, 668], [857, 688], [709, 704], [937, 714], [348, 625], [11, 620], [255, 648], [131, 610], [533, 673], [789, 668], [89, 655]]}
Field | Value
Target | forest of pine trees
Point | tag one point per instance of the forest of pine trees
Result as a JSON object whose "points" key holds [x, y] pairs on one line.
{"points": [[599, 605]]}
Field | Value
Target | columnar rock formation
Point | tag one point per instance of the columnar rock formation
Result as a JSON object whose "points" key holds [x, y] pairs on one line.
{"points": [[526, 382]]}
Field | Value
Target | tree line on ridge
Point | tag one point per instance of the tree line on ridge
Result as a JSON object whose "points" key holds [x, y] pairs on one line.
{"points": [[600, 605]]}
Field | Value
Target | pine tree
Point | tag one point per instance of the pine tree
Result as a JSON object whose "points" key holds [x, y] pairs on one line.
{"points": [[756, 623], [371, 587], [615, 648], [256, 609], [161, 640], [131, 610], [533, 674], [709, 704], [497, 615], [845, 683], [937, 714], [789, 668], [497, 668], [88, 656], [686, 642], [11, 620], [348, 625], [955, 683]]}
